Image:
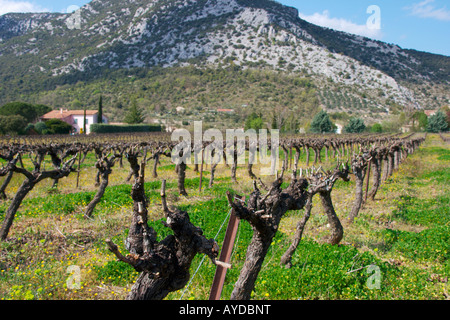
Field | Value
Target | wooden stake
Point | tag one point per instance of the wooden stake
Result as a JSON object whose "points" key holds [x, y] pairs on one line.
{"points": [[78, 173], [225, 255], [201, 172]]}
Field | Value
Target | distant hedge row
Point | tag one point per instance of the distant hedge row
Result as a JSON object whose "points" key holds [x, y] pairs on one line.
{"points": [[126, 128]]}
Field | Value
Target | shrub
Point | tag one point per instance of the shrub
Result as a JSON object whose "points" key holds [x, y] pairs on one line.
{"points": [[376, 128], [40, 127], [321, 123], [355, 125], [109, 128], [437, 123], [13, 124], [56, 126]]}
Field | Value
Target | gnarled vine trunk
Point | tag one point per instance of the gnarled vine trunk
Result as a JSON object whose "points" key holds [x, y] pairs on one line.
{"points": [[376, 175], [287, 256], [336, 229], [10, 213], [164, 265], [180, 169], [264, 214], [31, 179], [319, 183], [5, 184], [104, 181], [359, 165]]}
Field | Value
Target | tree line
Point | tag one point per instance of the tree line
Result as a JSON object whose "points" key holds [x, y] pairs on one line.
{"points": [[22, 118], [324, 122]]}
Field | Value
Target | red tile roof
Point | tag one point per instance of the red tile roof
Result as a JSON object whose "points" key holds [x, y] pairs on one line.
{"points": [[430, 112], [62, 114]]}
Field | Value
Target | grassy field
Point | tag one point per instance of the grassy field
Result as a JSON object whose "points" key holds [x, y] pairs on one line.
{"points": [[404, 235]]}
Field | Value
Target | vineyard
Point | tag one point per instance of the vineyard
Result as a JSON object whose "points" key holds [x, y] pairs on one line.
{"points": [[113, 217]]}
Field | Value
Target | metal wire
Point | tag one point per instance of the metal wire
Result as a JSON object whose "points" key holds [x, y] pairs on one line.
{"points": [[204, 256]]}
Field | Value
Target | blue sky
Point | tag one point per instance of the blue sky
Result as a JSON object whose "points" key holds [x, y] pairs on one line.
{"points": [[412, 24]]}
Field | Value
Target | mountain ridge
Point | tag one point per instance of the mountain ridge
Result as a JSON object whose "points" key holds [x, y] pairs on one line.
{"points": [[138, 34]]}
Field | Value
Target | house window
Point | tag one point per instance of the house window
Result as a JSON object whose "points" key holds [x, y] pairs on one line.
{"points": [[87, 121], [75, 121]]}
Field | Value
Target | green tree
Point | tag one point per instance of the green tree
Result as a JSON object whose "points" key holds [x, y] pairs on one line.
{"points": [[321, 123], [254, 122], [41, 109], [13, 124], [376, 128], [274, 122], [134, 115], [23, 109], [76, 104], [355, 125], [100, 110], [422, 120], [437, 123]]}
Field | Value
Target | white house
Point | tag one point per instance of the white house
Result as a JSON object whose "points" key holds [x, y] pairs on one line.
{"points": [[75, 118]]}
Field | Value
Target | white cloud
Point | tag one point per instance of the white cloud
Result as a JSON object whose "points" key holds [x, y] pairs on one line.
{"points": [[425, 9], [7, 6], [324, 20]]}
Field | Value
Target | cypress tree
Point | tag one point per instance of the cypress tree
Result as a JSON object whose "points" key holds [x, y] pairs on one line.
{"points": [[84, 121], [134, 115], [100, 110]]}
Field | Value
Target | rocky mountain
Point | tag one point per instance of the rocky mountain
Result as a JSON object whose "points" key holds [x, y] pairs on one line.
{"points": [[41, 52]]}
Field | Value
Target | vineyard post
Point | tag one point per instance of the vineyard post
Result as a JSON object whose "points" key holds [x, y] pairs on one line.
{"points": [[201, 170], [225, 254], [79, 167]]}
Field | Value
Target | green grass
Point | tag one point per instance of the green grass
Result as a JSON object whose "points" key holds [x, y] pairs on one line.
{"points": [[114, 197]]}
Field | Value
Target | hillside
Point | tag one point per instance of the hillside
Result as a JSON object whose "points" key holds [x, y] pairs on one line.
{"points": [[70, 59]]}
